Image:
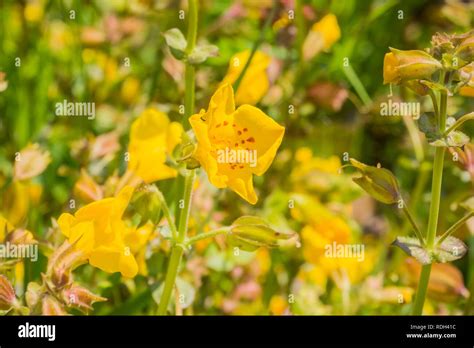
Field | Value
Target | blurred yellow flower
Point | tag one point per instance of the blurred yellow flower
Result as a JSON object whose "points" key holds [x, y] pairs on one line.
{"points": [[152, 138], [16, 202], [222, 131], [278, 305], [33, 11], [255, 83], [322, 36], [5, 227], [98, 230], [130, 90]]}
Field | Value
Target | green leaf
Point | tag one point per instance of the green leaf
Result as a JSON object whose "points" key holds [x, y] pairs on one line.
{"points": [[412, 247], [201, 53], [177, 42], [453, 139], [187, 294], [427, 124], [449, 250]]}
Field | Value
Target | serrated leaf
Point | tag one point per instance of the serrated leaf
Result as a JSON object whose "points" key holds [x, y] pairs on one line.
{"points": [[412, 247], [202, 52], [453, 139], [176, 41], [449, 250]]}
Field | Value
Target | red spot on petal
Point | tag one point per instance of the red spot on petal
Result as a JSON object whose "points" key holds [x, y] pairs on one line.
{"points": [[245, 129], [236, 144], [251, 140], [239, 132], [243, 141], [241, 167], [226, 123], [218, 125]]}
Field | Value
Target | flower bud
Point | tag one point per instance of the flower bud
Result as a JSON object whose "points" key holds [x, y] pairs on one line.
{"points": [[378, 182], [62, 262], [80, 298], [87, 189], [33, 294], [250, 232], [400, 66], [7, 294], [51, 306]]}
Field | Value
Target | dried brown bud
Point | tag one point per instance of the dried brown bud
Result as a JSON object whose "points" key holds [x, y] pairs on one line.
{"points": [[80, 298], [7, 294], [51, 306]]}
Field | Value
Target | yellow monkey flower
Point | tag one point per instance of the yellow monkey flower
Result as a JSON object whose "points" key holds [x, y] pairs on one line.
{"points": [[98, 230], [235, 144], [152, 138]]}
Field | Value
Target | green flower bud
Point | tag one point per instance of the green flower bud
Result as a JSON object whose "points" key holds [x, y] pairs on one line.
{"points": [[378, 182]]}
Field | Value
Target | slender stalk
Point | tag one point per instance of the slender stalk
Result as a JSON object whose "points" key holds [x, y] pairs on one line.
{"points": [[434, 210], [412, 222], [459, 122], [206, 235], [178, 247], [166, 212], [455, 227], [255, 46]]}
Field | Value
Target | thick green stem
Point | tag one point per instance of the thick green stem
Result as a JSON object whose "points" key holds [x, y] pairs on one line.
{"points": [[421, 291], [178, 246], [434, 210]]}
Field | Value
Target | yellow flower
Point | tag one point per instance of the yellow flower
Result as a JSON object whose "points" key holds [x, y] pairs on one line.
{"points": [[136, 240], [34, 11], [329, 30], [152, 138], [235, 144], [99, 232], [5, 227], [322, 36], [400, 66], [255, 83]]}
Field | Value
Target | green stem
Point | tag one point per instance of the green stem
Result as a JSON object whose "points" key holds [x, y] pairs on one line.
{"points": [[178, 247], [434, 210], [190, 70], [459, 122], [455, 227], [206, 235], [255, 46], [412, 221], [422, 288], [166, 212]]}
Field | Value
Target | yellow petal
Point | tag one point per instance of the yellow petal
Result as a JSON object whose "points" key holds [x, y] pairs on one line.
{"points": [[259, 132], [114, 259], [329, 30], [390, 73]]}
